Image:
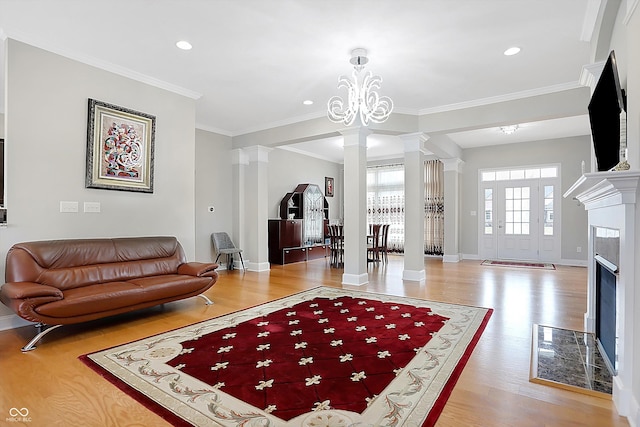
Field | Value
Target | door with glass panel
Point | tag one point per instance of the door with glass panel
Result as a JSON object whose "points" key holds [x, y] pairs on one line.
{"points": [[517, 220], [518, 209]]}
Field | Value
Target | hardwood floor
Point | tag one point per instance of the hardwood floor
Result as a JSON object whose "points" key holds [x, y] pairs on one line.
{"points": [[493, 390]]}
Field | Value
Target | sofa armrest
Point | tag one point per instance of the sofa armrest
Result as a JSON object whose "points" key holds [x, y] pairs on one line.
{"points": [[199, 269], [23, 290]]}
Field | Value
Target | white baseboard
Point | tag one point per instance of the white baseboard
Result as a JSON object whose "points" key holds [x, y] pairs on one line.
{"points": [[11, 321], [355, 279], [414, 275], [567, 262], [634, 413], [257, 266], [573, 262], [451, 258]]}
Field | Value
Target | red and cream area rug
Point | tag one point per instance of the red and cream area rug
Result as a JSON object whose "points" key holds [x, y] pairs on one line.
{"points": [[322, 357]]}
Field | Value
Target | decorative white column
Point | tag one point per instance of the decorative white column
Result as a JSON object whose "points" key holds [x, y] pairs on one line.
{"points": [[414, 206], [240, 162], [256, 201], [355, 206], [452, 172]]}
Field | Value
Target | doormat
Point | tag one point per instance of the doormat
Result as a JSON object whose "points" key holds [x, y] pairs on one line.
{"points": [[570, 360], [520, 264], [321, 357]]}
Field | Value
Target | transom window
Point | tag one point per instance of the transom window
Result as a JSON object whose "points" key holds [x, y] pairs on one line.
{"points": [[524, 173]]}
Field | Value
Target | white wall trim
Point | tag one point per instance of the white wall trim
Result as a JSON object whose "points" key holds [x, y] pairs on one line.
{"points": [[12, 321], [502, 98], [257, 266], [631, 8], [451, 258], [414, 275], [103, 65], [355, 279]]}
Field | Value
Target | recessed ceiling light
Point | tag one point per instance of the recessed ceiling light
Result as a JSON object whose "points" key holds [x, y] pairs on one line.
{"points": [[512, 51], [184, 45], [307, 102]]}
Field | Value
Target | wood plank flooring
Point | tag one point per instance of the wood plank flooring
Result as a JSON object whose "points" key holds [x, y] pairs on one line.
{"points": [[494, 389]]}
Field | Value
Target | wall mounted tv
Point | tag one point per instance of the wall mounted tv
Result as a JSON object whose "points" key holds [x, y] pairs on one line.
{"points": [[607, 102]]}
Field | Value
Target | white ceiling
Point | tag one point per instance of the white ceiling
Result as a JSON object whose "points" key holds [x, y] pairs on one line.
{"points": [[253, 62]]}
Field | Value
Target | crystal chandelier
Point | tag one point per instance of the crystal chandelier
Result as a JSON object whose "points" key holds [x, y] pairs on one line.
{"points": [[363, 100]]}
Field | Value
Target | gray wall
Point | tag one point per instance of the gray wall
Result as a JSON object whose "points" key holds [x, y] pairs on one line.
{"points": [[287, 169], [569, 152], [213, 174], [46, 127]]}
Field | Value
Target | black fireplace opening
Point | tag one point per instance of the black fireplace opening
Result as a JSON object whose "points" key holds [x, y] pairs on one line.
{"points": [[606, 311]]}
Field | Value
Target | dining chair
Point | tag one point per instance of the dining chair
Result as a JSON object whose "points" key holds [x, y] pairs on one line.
{"points": [[336, 247], [384, 242], [373, 243]]}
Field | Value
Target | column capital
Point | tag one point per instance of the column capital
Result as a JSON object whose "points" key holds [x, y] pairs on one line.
{"points": [[258, 153], [414, 142], [454, 164], [239, 157], [356, 135]]}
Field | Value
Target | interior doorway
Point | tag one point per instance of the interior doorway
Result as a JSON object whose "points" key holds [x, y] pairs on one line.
{"points": [[518, 209]]}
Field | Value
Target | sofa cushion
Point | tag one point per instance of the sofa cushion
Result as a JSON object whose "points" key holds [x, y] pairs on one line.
{"points": [[169, 285], [104, 297], [67, 264]]}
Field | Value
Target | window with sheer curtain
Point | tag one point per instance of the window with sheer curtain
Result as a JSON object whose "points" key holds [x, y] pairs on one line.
{"points": [[434, 207], [385, 202]]}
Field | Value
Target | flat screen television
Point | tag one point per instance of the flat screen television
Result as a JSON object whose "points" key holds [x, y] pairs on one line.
{"points": [[607, 102]]}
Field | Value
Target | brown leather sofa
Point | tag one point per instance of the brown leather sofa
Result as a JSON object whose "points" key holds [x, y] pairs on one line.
{"points": [[61, 282]]}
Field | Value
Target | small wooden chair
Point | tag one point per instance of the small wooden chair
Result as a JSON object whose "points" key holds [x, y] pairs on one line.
{"points": [[373, 243], [336, 248]]}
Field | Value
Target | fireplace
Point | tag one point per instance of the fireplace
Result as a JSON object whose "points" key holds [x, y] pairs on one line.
{"points": [[606, 319], [606, 243], [610, 199]]}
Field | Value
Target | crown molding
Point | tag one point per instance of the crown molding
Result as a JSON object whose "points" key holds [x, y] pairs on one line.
{"points": [[103, 65], [502, 98], [590, 20], [631, 8], [591, 73], [213, 129], [307, 153]]}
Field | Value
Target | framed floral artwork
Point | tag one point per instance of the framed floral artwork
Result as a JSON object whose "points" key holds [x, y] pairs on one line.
{"points": [[120, 144]]}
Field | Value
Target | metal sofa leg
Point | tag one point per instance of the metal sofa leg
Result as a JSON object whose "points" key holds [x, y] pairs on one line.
{"points": [[206, 299], [41, 333]]}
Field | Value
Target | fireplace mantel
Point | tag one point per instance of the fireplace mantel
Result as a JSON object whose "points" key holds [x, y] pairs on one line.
{"points": [[610, 199], [606, 188]]}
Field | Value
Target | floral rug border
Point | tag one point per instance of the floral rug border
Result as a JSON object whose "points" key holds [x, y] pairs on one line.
{"points": [[415, 397]]}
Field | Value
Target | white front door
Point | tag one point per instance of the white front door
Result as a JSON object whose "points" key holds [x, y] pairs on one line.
{"points": [[518, 219], [518, 209]]}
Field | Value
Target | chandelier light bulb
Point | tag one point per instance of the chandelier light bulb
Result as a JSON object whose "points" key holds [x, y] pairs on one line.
{"points": [[363, 99]]}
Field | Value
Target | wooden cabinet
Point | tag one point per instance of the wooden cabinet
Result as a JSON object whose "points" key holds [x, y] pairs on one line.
{"points": [[286, 245], [299, 234]]}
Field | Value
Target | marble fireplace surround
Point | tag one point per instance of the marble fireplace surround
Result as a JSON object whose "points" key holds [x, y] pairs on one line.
{"points": [[610, 200]]}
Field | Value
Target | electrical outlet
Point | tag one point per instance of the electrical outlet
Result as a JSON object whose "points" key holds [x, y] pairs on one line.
{"points": [[579, 249], [211, 209]]}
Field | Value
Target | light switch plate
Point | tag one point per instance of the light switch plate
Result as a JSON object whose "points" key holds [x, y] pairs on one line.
{"points": [[92, 207], [68, 207]]}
